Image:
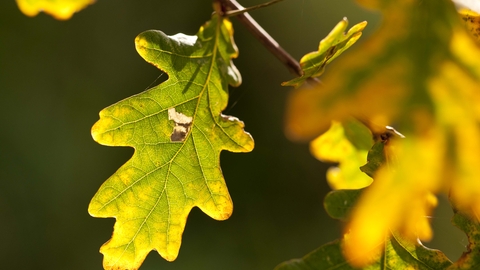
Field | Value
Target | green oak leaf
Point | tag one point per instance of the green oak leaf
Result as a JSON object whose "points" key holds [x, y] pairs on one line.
{"points": [[470, 259], [178, 131], [338, 203], [335, 43], [399, 254]]}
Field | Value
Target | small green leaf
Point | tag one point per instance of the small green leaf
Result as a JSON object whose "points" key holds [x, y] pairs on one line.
{"points": [[335, 43], [375, 159], [178, 131], [339, 203], [470, 259]]}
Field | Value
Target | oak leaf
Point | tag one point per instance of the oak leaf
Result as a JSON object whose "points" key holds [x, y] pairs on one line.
{"points": [[471, 226], [60, 9], [178, 131], [335, 43]]}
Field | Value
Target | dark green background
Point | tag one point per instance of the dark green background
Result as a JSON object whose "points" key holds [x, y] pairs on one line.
{"points": [[56, 76]]}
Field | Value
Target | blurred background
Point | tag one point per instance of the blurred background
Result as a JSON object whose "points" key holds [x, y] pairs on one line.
{"points": [[55, 76]]}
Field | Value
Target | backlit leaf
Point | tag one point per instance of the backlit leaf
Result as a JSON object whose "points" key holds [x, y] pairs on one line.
{"points": [[420, 72], [60, 9], [346, 143], [336, 42], [178, 131]]}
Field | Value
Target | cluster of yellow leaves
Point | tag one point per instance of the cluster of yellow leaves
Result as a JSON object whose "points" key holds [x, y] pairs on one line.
{"points": [[60, 9], [421, 73]]}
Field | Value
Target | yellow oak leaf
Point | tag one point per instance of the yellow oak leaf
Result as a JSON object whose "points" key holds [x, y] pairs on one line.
{"points": [[59, 9]]}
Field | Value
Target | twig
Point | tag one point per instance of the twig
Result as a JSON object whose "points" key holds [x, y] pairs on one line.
{"points": [[259, 33]]}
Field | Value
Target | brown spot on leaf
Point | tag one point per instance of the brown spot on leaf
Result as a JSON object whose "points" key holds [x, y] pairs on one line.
{"points": [[182, 125]]}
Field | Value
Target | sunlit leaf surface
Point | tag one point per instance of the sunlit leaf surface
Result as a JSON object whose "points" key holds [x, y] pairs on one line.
{"points": [[178, 131], [60, 9], [420, 72]]}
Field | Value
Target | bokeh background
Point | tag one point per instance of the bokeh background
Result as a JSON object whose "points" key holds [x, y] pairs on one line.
{"points": [[55, 76]]}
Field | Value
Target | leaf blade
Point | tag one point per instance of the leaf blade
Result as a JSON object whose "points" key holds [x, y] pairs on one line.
{"points": [[178, 131]]}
